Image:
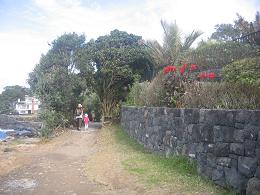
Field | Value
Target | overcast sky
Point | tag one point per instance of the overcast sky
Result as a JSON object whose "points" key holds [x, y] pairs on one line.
{"points": [[27, 26]]}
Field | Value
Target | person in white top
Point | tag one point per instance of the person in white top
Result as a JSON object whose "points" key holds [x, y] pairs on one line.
{"points": [[79, 116]]}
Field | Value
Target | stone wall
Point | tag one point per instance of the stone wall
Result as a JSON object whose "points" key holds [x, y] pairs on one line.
{"points": [[225, 143]]}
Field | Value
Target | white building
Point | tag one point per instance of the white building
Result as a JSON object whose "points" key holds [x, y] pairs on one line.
{"points": [[29, 106]]}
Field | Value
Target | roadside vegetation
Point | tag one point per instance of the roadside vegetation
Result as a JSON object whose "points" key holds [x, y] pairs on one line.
{"points": [[175, 174], [174, 171], [123, 68], [218, 73]]}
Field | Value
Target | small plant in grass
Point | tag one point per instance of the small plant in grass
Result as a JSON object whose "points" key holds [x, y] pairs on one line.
{"points": [[45, 132]]}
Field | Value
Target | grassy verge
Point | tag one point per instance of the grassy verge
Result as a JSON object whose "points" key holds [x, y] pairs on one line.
{"points": [[16, 142], [177, 174]]}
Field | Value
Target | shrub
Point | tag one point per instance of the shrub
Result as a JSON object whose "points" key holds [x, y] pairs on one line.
{"points": [[154, 94], [167, 88], [243, 71], [221, 95], [134, 97], [51, 120], [45, 132], [175, 79], [147, 93]]}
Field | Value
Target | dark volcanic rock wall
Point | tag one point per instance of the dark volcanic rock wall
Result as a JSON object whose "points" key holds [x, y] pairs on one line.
{"points": [[225, 143]]}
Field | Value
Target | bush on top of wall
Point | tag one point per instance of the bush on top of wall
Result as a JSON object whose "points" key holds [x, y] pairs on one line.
{"points": [[244, 71]]}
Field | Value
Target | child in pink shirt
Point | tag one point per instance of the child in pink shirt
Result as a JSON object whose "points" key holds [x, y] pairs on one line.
{"points": [[86, 120]]}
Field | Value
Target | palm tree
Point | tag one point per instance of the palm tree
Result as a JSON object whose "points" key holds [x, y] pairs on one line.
{"points": [[173, 49]]}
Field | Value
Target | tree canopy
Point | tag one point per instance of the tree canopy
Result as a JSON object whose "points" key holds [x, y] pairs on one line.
{"points": [[240, 28], [118, 58], [73, 68], [225, 32], [56, 79]]}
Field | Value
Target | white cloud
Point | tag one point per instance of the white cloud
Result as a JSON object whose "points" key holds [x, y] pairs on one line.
{"points": [[47, 19], [202, 14], [20, 51], [69, 15]]}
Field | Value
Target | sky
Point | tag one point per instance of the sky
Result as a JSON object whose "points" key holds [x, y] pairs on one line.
{"points": [[27, 26]]}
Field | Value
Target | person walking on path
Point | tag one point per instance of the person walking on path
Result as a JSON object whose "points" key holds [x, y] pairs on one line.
{"points": [[93, 115], [86, 120], [79, 116]]}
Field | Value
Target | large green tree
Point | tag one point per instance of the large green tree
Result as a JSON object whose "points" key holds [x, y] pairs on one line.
{"points": [[243, 29], [225, 32], [117, 58], [72, 69], [57, 79]]}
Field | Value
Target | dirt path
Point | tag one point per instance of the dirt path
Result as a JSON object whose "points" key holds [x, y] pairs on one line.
{"points": [[74, 163], [56, 167]]}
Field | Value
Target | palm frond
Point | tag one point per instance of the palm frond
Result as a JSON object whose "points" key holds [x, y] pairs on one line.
{"points": [[157, 53], [173, 50], [189, 40], [172, 40]]}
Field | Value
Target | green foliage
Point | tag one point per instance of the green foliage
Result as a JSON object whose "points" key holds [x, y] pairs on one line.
{"points": [[243, 71], [214, 55], [56, 79], [135, 96], [174, 82], [180, 164], [59, 90], [92, 103], [225, 32], [45, 133], [221, 95], [215, 95], [240, 28], [245, 28], [147, 93], [118, 57], [10, 95], [72, 69], [163, 90], [174, 91], [51, 120]]}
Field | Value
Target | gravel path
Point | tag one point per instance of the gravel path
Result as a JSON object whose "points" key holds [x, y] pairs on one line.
{"points": [[55, 167]]}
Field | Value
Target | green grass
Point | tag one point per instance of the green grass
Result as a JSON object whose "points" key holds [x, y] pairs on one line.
{"points": [[153, 169], [16, 142]]}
